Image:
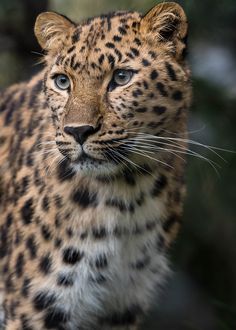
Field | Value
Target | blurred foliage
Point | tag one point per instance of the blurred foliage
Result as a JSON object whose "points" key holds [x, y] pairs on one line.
{"points": [[17, 41], [205, 252], [206, 248], [96, 7]]}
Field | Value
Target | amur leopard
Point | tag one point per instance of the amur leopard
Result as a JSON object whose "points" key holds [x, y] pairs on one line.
{"points": [[92, 178]]}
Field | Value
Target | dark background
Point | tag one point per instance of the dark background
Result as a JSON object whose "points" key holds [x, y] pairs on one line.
{"points": [[202, 292]]}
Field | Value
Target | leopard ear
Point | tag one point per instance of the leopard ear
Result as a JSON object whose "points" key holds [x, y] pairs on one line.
{"points": [[51, 29], [167, 23]]}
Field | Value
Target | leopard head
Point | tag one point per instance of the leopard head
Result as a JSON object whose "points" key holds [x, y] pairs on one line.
{"points": [[113, 81]]}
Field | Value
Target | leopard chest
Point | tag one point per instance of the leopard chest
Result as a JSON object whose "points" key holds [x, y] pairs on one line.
{"points": [[114, 262]]}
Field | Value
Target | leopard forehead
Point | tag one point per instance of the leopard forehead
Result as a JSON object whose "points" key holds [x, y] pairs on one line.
{"points": [[98, 45], [117, 26]]}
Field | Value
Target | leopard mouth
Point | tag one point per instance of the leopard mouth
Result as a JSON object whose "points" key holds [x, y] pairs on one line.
{"points": [[112, 161], [108, 158], [86, 158], [82, 157]]}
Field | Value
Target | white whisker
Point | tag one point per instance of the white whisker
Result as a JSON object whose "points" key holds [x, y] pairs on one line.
{"points": [[147, 147], [176, 148], [149, 157]]}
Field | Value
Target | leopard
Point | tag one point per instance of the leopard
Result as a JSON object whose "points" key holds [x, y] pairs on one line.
{"points": [[92, 178]]}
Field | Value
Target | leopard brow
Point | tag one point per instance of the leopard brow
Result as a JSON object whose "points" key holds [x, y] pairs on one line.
{"points": [[127, 69]]}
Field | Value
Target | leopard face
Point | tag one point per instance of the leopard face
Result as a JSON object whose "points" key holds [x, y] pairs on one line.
{"points": [[111, 80]]}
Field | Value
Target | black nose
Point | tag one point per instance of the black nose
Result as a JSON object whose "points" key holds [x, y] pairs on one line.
{"points": [[80, 133]]}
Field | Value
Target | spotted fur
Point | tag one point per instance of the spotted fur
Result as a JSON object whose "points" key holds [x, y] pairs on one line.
{"points": [[86, 225]]}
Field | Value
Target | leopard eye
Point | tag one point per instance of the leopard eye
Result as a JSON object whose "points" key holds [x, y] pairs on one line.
{"points": [[62, 81], [122, 77]]}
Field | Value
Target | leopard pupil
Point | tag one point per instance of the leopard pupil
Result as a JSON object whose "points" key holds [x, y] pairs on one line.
{"points": [[62, 81], [122, 75]]}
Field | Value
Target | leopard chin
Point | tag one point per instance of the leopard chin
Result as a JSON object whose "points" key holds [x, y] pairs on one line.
{"points": [[95, 167]]}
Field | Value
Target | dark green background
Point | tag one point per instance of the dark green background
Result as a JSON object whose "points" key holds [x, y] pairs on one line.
{"points": [[202, 292]]}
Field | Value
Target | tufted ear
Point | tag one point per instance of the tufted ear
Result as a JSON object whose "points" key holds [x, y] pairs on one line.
{"points": [[167, 23], [51, 29]]}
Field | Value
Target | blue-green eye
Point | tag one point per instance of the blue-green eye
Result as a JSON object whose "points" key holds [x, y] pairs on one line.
{"points": [[122, 77], [62, 81]]}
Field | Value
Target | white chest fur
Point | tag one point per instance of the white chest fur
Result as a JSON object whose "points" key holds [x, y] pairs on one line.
{"points": [[120, 264], [113, 262]]}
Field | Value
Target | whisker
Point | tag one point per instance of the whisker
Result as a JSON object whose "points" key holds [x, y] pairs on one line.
{"points": [[138, 167], [44, 152], [188, 141], [116, 158], [145, 147], [184, 133], [36, 53], [152, 158], [173, 144], [119, 155], [50, 169], [177, 149]]}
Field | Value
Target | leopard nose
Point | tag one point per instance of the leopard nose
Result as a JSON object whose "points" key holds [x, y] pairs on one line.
{"points": [[80, 133]]}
